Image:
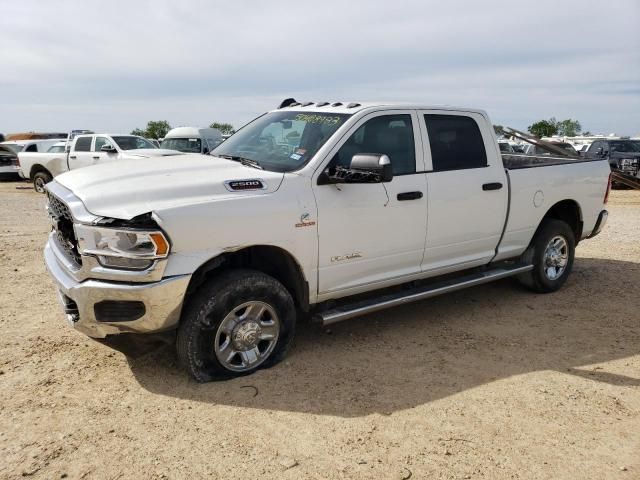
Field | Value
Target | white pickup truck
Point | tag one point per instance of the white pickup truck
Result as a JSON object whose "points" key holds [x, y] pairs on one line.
{"points": [[84, 150], [321, 211]]}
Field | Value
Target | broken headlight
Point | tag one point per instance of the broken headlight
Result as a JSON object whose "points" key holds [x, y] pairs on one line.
{"points": [[127, 249]]}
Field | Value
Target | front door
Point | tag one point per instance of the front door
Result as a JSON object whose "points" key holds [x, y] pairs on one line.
{"points": [[373, 234], [98, 155]]}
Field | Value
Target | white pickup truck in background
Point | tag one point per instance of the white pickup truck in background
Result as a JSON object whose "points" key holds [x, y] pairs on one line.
{"points": [[85, 150], [326, 211]]}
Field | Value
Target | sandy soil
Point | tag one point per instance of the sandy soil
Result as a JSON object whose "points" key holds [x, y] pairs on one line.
{"points": [[493, 382]]}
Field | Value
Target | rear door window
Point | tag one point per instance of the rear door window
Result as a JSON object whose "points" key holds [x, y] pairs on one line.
{"points": [[83, 144], [456, 142]]}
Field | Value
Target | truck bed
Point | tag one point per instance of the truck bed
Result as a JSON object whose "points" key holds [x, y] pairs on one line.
{"points": [[514, 161]]}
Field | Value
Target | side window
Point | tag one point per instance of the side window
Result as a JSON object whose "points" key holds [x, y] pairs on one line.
{"points": [[31, 148], [83, 144], [391, 135], [456, 142], [100, 141]]}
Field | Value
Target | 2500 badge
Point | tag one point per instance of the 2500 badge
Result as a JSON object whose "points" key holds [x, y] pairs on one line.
{"points": [[235, 185]]}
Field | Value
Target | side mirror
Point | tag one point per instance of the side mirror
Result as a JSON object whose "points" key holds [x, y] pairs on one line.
{"points": [[205, 150], [373, 164], [108, 148]]}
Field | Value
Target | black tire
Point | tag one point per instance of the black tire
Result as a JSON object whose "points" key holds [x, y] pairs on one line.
{"points": [[538, 279], [40, 179], [212, 304]]}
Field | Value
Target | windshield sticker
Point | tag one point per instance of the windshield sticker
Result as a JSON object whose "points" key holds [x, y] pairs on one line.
{"points": [[295, 156], [322, 119], [301, 151]]}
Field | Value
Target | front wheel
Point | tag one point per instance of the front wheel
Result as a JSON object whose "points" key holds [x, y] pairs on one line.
{"points": [[40, 179], [551, 252], [237, 323]]}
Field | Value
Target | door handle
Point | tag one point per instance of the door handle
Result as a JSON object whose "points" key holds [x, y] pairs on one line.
{"points": [[409, 196], [72, 157], [96, 158], [492, 186]]}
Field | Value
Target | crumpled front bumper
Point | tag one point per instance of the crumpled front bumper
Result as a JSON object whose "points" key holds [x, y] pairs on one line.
{"points": [[162, 301]]}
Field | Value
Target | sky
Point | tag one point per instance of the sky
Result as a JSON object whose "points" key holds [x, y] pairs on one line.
{"points": [[113, 66]]}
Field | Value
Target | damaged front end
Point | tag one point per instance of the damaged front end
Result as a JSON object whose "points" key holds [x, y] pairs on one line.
{"points": [[109, 272]]}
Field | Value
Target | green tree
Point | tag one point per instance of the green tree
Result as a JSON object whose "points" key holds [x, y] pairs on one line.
{"points": [[544, 128], [158, 129], [155, 129], [225, 128], [569, 128]]}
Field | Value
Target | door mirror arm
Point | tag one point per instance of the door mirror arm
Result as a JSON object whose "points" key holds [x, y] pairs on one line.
{"points": [[364, 168]]}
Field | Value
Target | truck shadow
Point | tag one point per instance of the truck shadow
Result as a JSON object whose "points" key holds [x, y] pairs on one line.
{"points": [[415, 354]]}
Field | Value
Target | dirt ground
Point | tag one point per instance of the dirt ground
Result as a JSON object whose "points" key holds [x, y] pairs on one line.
{"points": [[493, 382]]}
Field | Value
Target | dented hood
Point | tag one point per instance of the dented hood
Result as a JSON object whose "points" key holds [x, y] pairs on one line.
{"points": [[128, 188]]}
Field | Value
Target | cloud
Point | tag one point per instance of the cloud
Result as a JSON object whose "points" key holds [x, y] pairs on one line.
{"points": [[114, 66]]}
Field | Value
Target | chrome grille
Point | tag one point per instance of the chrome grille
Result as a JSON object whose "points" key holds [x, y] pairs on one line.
{"points": [[62, 223]]}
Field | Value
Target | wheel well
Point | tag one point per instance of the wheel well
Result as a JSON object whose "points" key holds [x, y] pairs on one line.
{"points": [[569, 212], [37, 169], [273, 261]]}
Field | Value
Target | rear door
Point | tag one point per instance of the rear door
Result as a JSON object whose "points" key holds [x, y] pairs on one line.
{"points": [[81, 154], [467, 190]]}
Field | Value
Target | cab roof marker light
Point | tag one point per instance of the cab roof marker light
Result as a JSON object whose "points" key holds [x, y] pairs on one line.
{"points": [[353, 105], [336, 104], [306, 104], [286, 102], [322, 104]]}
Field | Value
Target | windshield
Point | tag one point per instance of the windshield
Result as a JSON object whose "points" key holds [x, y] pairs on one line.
{"points": [[505, 147], [14, 146], [282, 141], [625, 147], [129, 142], [186, 145]]}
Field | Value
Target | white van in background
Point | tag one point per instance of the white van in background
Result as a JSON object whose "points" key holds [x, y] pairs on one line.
{"points": [[192, 139]]}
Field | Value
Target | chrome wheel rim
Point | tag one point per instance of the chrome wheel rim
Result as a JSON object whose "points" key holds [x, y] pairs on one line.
{"points": [[247, 336], [556, 257], [39, 185]]}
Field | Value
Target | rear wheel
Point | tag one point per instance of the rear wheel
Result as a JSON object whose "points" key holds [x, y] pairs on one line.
{"points": [[40, 179], [551, 253], [237, 323]]}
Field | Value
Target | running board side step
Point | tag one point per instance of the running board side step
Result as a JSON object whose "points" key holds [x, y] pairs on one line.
{"points": [[356, 309]]}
